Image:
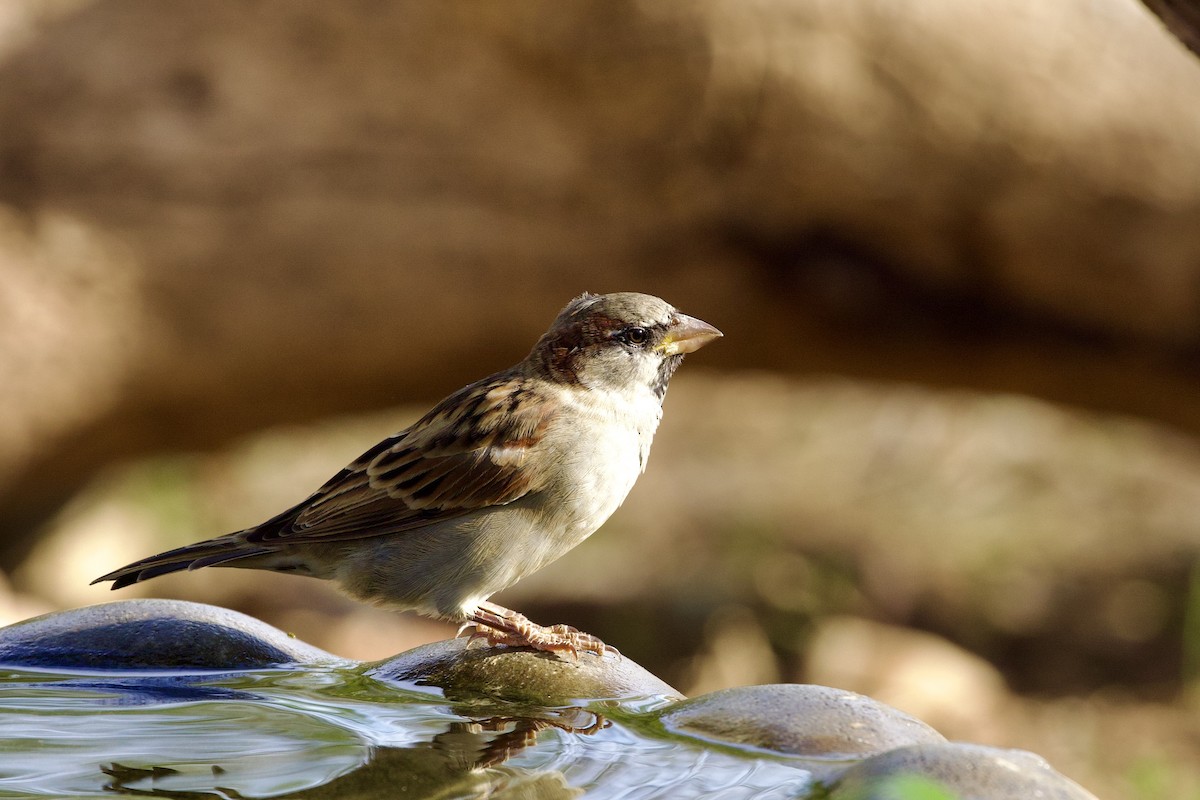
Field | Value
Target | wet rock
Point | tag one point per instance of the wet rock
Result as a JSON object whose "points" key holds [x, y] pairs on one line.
{"points": [[968, 771], [152, 634], [852, 746], [519, 674], [801, 719]]}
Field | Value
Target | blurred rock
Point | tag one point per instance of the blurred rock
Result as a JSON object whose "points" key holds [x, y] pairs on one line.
{"points": [[519, 675], [960, 694], [969, 772], [736, 651], [152, 635]]}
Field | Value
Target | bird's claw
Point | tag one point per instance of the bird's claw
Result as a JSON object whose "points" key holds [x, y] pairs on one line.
{"points": [[499, 626]]}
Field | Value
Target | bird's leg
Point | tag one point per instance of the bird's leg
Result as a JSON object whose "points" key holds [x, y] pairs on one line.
{"points": [[501, 626]]}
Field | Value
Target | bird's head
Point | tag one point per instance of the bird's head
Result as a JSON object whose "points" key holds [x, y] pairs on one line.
{"points": [[615, 341]]}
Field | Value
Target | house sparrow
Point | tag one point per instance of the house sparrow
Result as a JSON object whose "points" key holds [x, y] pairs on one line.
{"points": [[496, 481]]}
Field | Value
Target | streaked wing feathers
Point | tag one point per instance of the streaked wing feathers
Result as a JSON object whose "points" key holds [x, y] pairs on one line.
{"points": [[467, 453]]}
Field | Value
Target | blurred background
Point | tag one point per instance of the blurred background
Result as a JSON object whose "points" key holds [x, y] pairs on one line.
{"points": [[946, 454]]}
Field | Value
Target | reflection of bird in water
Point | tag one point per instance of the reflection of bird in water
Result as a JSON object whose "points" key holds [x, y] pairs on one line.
{"points": [[460, 761], [516, 733]]}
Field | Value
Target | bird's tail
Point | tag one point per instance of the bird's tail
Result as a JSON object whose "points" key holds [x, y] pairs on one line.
{"points": [[211, 553]]}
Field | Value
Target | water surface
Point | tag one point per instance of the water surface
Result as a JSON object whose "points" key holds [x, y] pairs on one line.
{"points": [[332, 732]]}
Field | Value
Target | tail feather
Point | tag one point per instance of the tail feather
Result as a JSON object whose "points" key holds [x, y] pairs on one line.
{"points": [[124, 579], [193, 556], [217, 559]]}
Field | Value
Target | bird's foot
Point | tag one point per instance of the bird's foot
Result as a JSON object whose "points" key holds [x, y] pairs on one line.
{"points": [[557, 639], [499, 625]]}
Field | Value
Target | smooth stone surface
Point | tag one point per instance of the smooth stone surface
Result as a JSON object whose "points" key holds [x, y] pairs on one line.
{"points": [[519, 674], [969, 771], [801, 719], [152, 634]]}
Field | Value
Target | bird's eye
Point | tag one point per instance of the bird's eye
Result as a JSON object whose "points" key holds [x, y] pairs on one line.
{"points": [[635, 335]]}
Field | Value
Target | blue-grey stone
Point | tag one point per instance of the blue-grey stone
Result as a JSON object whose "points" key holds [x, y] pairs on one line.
{"points": [[966, 771], [152, 634], [800, 719]]}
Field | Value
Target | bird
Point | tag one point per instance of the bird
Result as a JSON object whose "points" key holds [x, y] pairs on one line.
{"points": [[493, 483]]}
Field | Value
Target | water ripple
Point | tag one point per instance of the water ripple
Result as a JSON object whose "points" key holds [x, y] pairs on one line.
{"points": [[288, 733]]}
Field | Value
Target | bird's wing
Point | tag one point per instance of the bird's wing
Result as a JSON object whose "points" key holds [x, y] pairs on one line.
{"points": [[466, 454]]}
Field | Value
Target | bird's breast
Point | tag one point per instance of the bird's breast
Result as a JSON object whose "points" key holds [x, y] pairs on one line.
{"points": [[602, 454]]}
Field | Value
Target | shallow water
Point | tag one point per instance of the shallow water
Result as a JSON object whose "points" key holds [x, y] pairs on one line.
{"points": [[328, 732]]}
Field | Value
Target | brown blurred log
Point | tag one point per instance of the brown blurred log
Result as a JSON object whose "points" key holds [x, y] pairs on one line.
{"points": [[217, 217]]}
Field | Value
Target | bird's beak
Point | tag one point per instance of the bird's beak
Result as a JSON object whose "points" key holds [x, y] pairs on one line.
{"points": [[687, 334]]}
